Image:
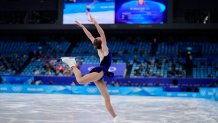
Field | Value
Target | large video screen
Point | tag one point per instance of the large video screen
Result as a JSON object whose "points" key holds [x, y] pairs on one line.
{"points": [[116, 11], [102, 10], [141, 11]]}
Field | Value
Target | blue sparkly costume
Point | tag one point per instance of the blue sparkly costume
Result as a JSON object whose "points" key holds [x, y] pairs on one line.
{"points": [[104, 66]]}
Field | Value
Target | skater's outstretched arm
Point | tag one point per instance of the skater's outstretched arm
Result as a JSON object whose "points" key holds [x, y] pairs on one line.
{"points": [[101, 33], [88, 34]]}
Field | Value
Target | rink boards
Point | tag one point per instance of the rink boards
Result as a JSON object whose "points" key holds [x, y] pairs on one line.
{"points": [[208, 93]]}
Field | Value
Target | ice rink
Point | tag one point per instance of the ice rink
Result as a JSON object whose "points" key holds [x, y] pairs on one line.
{"points": [[43, 108]]}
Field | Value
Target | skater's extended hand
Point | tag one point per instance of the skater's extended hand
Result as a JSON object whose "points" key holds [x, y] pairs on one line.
{"points": [[92, 19], [79, 24]]}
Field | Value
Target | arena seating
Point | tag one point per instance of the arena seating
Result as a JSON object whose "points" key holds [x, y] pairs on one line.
{"points": [[167, 63], [85, 50], [44, 58], [153, 67], [209, 49], [85, 47], [13, 55], [168, 49], [205, 68], [8, 47]]}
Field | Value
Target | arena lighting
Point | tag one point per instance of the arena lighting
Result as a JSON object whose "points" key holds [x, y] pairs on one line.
{"points": [[206, 19], [189, 48]]}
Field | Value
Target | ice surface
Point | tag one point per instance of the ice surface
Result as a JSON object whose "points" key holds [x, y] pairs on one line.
{"points": [[44, 108]]}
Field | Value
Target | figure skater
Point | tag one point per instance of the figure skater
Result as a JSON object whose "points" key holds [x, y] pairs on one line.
{"points": [[97, 74], [88, 7]]}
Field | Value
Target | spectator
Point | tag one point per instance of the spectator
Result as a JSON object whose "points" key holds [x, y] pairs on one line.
{"points": [[35, 72]]}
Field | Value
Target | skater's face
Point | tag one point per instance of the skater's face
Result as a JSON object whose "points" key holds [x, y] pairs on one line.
{"points": [[97, 43], [141, 2]]}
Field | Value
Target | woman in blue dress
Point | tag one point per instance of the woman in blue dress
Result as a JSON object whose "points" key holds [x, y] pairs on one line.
{"points": [[97, 74]]}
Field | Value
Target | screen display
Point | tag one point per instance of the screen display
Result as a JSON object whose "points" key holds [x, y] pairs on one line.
{"points": [[116, 11], [102, 10], [141, 11]]}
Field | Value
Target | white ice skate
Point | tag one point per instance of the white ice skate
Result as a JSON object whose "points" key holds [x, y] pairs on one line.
{"points": [[70, 61]]}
